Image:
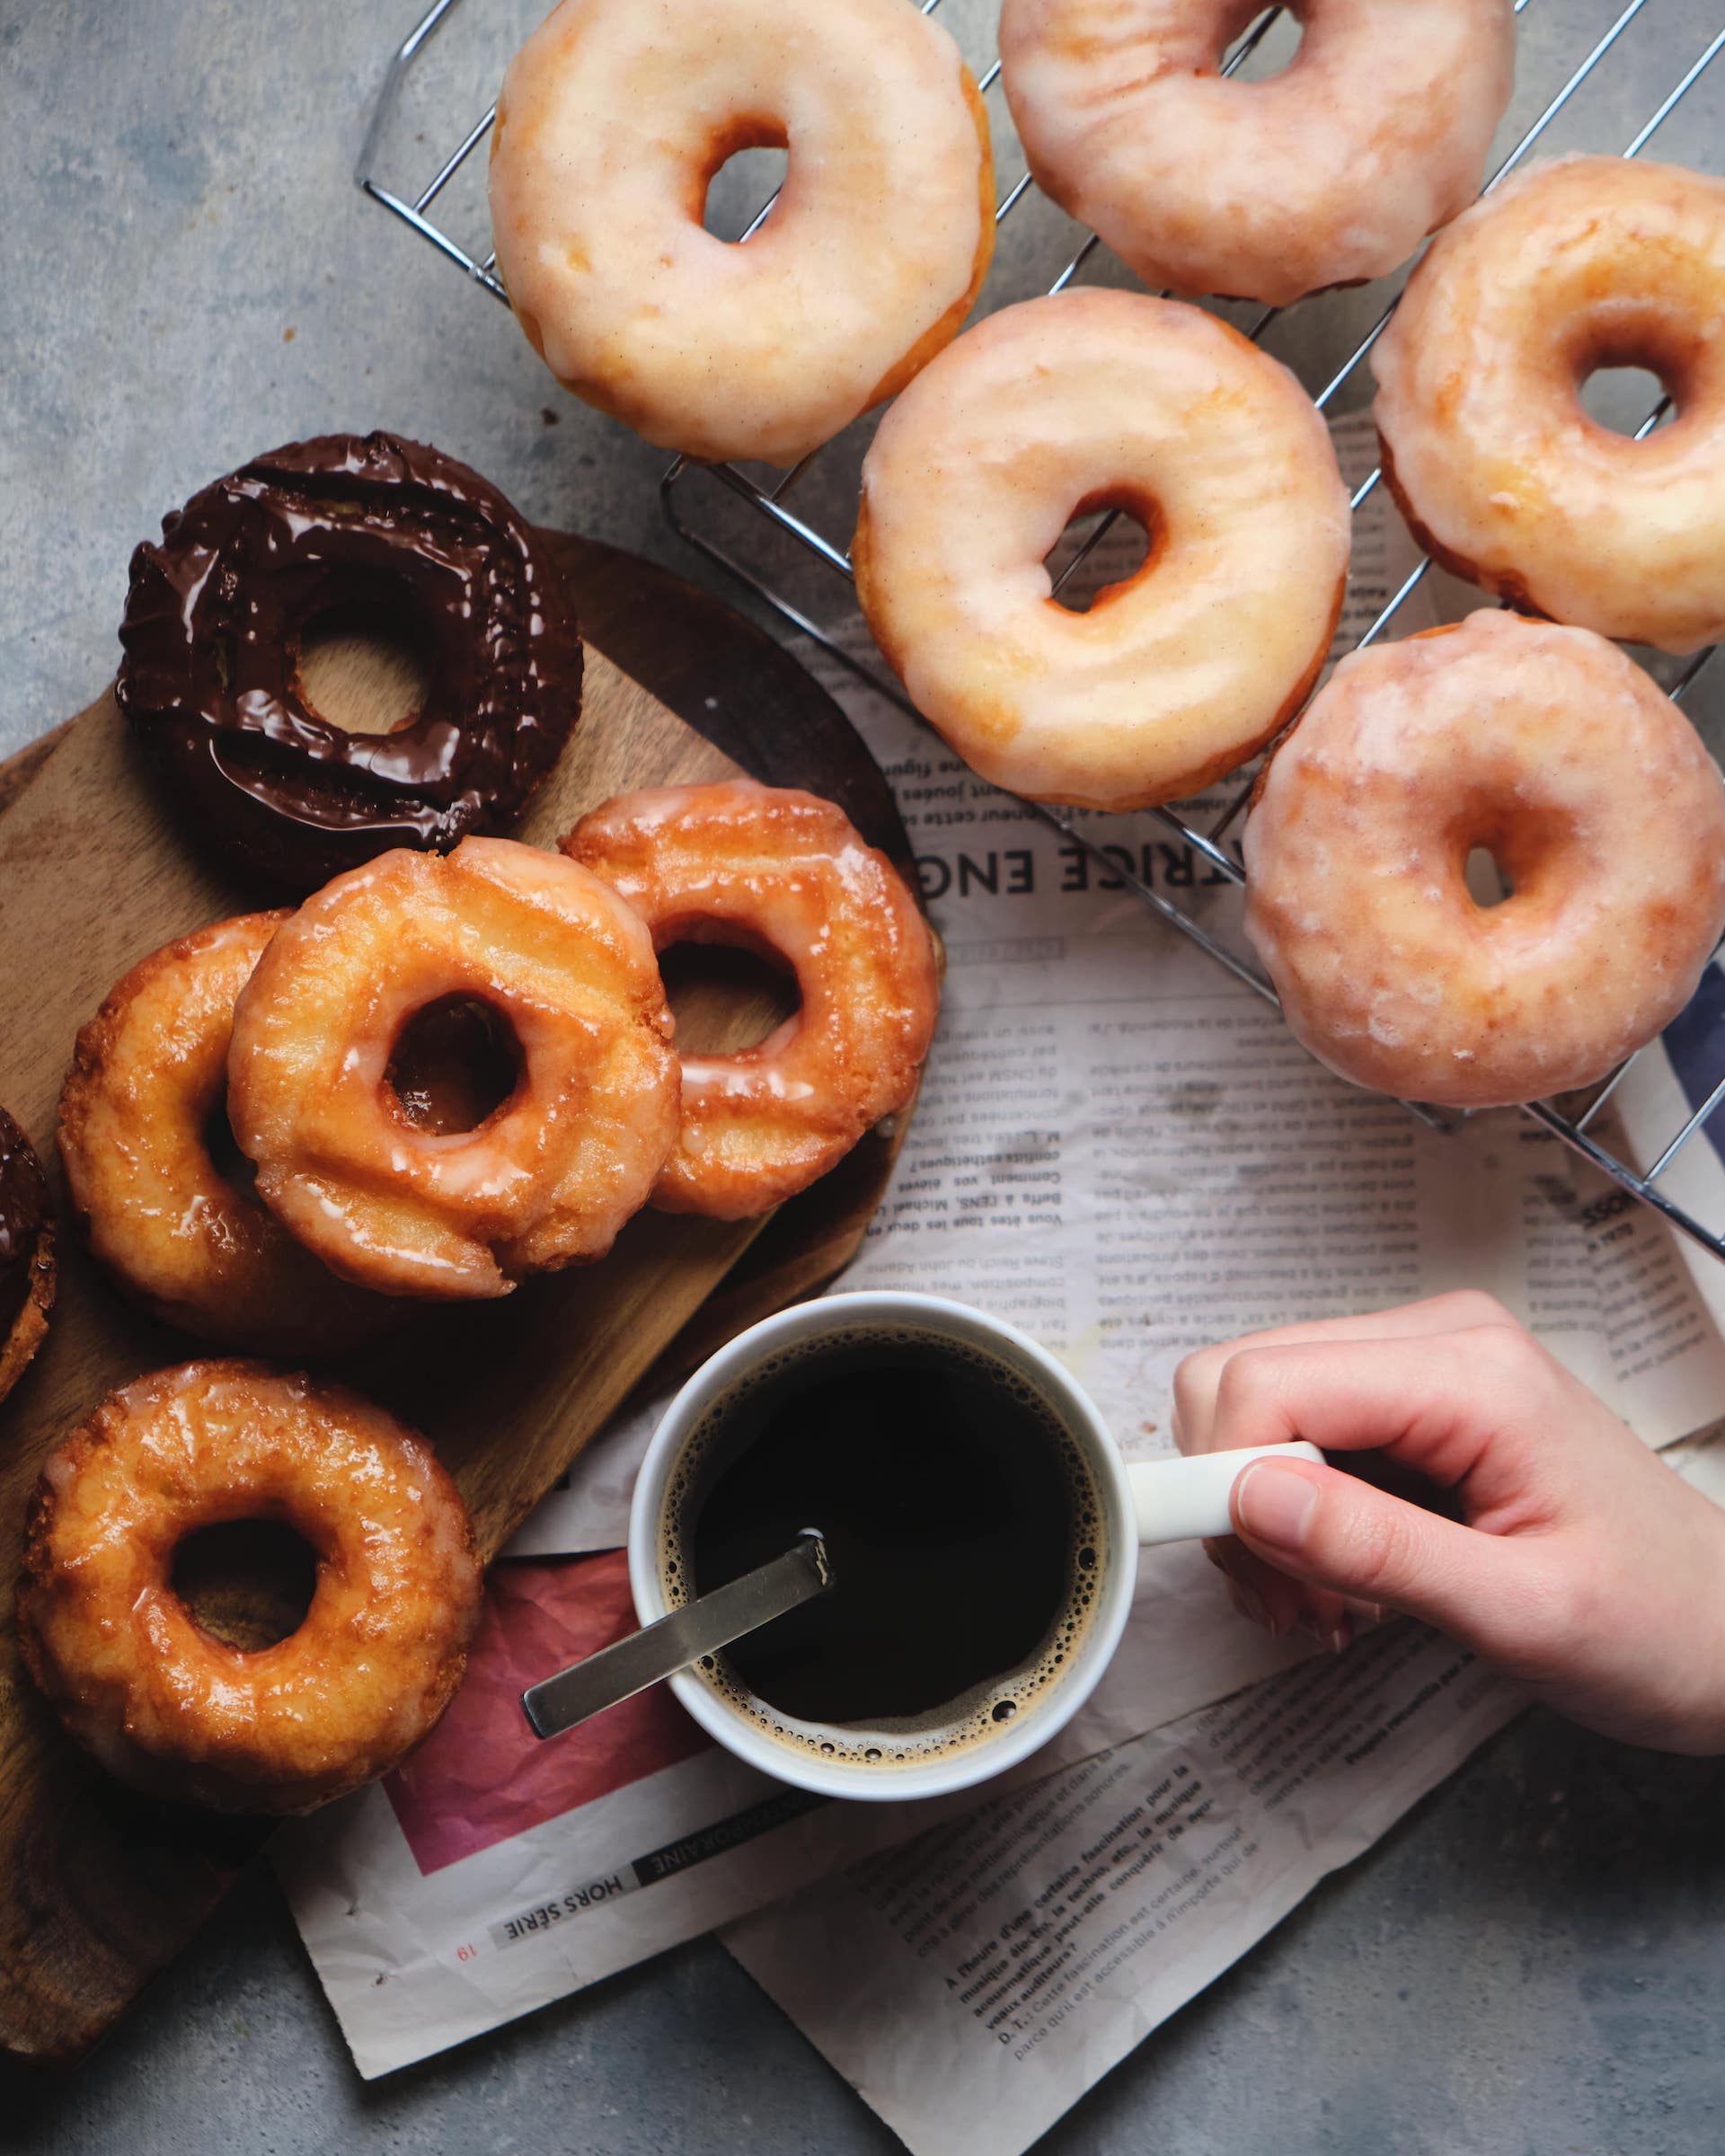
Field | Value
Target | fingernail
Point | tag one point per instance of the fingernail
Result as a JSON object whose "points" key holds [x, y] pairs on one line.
{"points": [[1337, 1636], [1366, 1614], [1248, 1602], [1275, 1503]]}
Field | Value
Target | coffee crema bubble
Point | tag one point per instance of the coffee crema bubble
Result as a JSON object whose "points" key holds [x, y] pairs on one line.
{"points": [[959, 1511]]}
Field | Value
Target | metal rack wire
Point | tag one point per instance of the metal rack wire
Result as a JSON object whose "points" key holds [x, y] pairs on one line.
{"points": [[1573, 1121]]}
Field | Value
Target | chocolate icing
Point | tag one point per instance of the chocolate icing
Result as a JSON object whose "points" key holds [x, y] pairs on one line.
{"points": [[23, 1212], [214, 621]]}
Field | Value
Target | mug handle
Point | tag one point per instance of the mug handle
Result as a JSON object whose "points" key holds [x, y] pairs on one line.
{"points": [[1187, 1500]]}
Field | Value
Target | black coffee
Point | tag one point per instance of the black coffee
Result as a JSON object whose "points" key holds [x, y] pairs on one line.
{"points": [[959, 1516]]}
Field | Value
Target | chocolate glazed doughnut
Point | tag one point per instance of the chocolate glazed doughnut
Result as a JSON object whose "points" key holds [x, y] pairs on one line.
{"points": [[215, 620], [27, 1272]]}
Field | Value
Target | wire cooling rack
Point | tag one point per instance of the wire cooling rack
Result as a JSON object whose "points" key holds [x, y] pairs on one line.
{"points": [[1574, 1120]]}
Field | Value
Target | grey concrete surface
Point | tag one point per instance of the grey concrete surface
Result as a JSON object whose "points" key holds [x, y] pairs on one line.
{"points": [[1532, 1965]]}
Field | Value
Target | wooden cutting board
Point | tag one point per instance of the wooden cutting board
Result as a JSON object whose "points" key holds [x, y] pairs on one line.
{"points": [[100, 1887]]}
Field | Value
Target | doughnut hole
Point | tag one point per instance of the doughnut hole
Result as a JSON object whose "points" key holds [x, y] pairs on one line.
{"points": [[248, 1583], [726, 997], [363, 665], [1487, 885], [456, 1062], [1275, 52], [1626, 355], [1620, 398], [1122, 556], [1499, 858], [223, 1147], [747, 167]]}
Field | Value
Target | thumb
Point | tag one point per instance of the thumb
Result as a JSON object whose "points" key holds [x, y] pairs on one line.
{"points": [[1333, 1531]]}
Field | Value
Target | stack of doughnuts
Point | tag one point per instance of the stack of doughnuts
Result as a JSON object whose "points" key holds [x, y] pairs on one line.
{"points": [[449, 1067]]}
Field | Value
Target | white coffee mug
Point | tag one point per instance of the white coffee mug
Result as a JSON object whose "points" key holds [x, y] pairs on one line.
{"points": [[1158, 1501]]}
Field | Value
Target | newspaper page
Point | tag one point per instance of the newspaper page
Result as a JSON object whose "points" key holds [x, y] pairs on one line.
{"points": [[1122, 1150], [974, 1984]]}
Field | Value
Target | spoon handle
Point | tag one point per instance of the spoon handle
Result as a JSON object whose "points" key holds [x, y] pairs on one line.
{"points": [[660, 1650]]}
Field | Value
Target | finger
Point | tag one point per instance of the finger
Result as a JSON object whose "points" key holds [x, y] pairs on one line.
{"points": [[1283, 1605], [1337, 1534], [1473, 1411], [1197, 1375]]}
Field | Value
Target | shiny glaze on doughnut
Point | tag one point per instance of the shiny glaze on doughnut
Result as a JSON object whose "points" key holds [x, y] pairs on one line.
{"points": [[1177, 673], [1573, 265], [781, 871], [554, 1172], [27, 1269], [613, 119], [1328, 173], [214, 621], [1551, 749], [166, 1706], [199, 1252]]}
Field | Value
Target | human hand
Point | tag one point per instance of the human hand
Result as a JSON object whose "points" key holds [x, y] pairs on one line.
{"points": [[1578, 1564]]}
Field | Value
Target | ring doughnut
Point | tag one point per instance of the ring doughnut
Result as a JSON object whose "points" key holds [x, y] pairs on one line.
{"points": [[613, 119], [569, 1153], [215, 621], [1328, 173], [27, 1269], [166, 1706], [137, 1116], [1100, 399], [784, 873], [1602, 808], [1582, 263]]}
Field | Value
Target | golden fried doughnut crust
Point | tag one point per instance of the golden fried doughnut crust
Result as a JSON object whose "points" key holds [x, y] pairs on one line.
{"points": [[149, 1074], [544, 1181], [783, 871], [164, 1704]]}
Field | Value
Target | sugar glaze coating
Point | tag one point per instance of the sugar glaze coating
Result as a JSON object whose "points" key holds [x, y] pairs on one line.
{"points": [[1606, 813], [1329, 173], [165, 1704], [1580, 263], [613, 119], [1175, 674], [784, 872]]}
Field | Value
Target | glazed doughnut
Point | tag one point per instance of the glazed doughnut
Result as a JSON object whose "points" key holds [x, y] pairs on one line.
{"points": [[613, 119], [570, 1151], [1582, 263], [27, 1270], [1328, 173], [1179, 672], [166, 1705], [782, 873], [1592, 792], [214, 620], [137, 1112]]}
